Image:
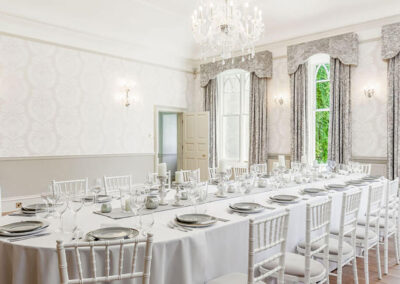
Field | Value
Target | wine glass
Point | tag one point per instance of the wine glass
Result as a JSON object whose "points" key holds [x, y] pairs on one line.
{"points": [[61, 202], [146, 223], [76, 205]]}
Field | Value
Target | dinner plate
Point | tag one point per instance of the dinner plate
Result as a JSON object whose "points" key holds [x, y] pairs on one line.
{"points": [[22, 226], [284, 198], [313, 190], [336, 185], [35, 207], [6, 233], [246, 207], [112, 233], [194, 218], [197, 225]]}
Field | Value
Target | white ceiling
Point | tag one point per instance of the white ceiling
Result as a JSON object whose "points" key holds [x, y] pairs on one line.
{"points": [[164, 25]]}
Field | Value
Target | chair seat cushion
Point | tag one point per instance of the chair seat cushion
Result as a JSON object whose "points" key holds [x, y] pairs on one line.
{"points": [[360, 233], [333, 246], [295, 265], [232, 278], [362, 222]]}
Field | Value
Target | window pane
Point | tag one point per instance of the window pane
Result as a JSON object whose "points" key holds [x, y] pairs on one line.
{"points": [[321, 135], [245, 138], [231, 137], [231, 95], [322, 73], [322, 95]]}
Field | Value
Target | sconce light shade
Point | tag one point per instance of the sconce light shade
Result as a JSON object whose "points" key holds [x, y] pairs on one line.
{"points": [[279, 100], [369, 92]]}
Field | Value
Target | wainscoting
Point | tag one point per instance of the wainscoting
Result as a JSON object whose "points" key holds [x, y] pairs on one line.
{"points": [[24, 179]]}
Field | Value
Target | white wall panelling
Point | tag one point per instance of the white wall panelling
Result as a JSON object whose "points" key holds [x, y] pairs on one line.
{"points": [[56, 100]]}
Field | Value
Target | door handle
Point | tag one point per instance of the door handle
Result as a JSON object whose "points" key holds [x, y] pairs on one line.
{"points": [[203, 155]]}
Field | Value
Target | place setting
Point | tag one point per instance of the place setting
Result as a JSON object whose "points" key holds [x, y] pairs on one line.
{"points": [[284, 199], [112, 233], [246, 208], [24, 230], [336, 187], [313, 191]]}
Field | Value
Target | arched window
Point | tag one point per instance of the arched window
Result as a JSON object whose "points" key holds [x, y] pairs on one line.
{"points": [[233, 113], [319, 107]]}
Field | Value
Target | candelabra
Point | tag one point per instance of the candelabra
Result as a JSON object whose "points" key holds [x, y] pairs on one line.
{"points": [[163, 192]]}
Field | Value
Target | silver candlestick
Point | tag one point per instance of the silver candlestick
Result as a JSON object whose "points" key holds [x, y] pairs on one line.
{"points": [[162, 191], [178, 187]]}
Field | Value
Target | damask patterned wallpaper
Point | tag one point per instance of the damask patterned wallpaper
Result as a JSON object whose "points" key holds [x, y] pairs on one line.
{"points": [[62, 101]]}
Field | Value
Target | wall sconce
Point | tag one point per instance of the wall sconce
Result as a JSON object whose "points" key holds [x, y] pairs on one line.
{"points": [[126, 89], [127, 99], [279, 100], [369, 92]]}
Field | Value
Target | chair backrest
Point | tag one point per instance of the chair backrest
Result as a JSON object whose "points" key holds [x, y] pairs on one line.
{"points": [[349, 215], [391, 202], [153, 178], [239, 171], [318, 217], [115, 183], [76, 247], [365, 169], [374, 204], [259, 168], [70, 187], [1, 210], [265, 235], [212, 173], [187, 174]]}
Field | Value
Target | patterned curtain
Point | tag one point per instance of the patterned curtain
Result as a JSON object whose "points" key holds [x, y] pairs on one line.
{"points": [[298, 98], [339, 139], [393, 106], [210, 105], [258, 152]]}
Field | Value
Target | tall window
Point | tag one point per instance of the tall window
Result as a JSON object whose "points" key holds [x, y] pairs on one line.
{"points": [[234, 89], [319, 101]]}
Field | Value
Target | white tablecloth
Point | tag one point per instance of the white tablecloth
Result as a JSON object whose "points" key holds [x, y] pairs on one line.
{"points": [[178, 257]]}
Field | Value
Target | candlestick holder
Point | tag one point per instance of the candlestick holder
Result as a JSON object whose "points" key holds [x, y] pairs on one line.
{"points": [[221, 183], [162, 191]]}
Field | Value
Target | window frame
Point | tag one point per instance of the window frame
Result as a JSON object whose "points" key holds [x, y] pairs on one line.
{"points": [[243, 153], [313, 62]]}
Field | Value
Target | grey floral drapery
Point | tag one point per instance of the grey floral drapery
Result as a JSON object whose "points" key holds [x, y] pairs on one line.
{"points": [[391, 52], [298, 114], [339, 138], [210, 105], [258, 144]]}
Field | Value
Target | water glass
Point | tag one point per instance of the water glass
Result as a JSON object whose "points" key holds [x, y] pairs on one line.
{"points": [[146, 223]]}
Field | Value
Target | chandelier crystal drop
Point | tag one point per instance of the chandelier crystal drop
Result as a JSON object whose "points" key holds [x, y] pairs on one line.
{"points": [[224, 26]]}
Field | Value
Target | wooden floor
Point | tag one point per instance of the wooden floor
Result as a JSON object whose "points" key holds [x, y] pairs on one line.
{"points": [[392, 278]]}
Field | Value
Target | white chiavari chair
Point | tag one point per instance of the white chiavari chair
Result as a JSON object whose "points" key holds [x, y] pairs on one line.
{"points": [[105, 246], [265, 235], [340, 251], [239, 171], [152, 177], [212, 174], [115, 183], [365, 169], [1, 210], [188, 174], [367, 233], [69, 187], [389, 221], [303, 268], [259, 169]]}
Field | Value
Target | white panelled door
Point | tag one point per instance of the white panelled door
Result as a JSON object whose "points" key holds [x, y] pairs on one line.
{"points": [[195, 142]]}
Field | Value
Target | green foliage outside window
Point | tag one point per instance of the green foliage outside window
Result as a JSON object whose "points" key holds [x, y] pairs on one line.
{"points": [[322, 117]]}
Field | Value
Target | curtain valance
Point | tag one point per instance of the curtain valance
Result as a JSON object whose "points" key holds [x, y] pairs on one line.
{"points": [[390, 40], [344, 47], [261, 65]]}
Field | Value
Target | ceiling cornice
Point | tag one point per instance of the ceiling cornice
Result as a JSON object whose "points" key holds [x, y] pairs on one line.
{"points": [[70, 38]]}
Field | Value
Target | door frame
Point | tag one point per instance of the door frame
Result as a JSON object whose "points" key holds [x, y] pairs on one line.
{"points": [[171, 109]]}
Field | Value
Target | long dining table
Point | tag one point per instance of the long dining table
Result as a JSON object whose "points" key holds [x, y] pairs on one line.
{"points": [[178, 257]]}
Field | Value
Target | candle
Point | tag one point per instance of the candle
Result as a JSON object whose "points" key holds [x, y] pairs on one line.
{"points": [[162, 169], [179, 177], [221, 166]]}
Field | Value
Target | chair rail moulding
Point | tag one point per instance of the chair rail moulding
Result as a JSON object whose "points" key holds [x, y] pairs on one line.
{"points": [[344, 47], [390, 40], [261, 65]]}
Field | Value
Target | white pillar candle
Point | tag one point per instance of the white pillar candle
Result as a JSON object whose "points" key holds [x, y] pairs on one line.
{"points": [[221, 166], [179, 177], [162, 169], [282, 161]]}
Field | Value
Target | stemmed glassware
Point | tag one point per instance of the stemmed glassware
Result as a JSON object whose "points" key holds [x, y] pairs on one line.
{"points": [[146, 223], [76, 205]]}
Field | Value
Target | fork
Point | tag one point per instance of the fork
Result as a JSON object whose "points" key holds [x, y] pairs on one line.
{"points": [[179, 228]]}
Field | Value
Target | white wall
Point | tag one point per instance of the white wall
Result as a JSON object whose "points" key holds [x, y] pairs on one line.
{"points": [[56, 100]]}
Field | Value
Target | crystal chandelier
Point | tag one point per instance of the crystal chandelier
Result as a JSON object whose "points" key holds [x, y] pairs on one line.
{"points": [[224, 26]]}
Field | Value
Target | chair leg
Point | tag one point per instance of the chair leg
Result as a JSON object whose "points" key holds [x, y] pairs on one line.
{"points": [[366, 273], [385, 255], [396, 247], [355, 275], [378, 261], [339, 273]]}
